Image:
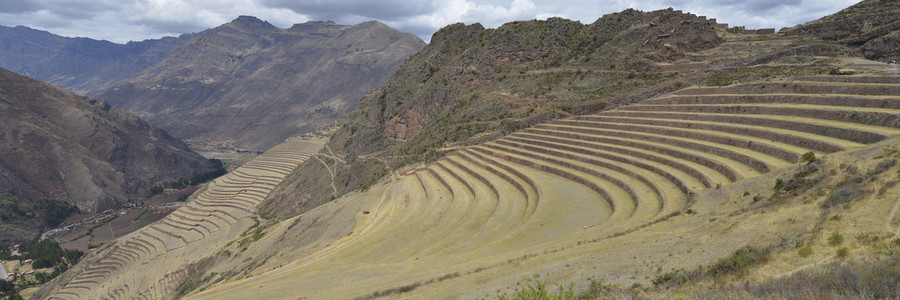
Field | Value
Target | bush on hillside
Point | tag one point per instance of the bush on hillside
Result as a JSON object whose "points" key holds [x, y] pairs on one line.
{"points": [[883, 166], [808, 157], [739, 261], [846, 191], [535, 288]]}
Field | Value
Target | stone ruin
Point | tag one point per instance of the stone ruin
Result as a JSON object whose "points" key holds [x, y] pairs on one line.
{"points": [[744, 30]]}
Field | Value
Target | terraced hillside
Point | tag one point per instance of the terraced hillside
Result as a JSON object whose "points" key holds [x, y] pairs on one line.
{"points": [[149, 263], [570, 190]]}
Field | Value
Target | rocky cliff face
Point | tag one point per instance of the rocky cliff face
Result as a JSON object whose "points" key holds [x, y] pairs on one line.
{"points": [[80, 65], [60, 147], [871, 26], [248, 84]]}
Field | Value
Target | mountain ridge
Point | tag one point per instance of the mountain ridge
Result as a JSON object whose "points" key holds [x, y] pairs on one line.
{"points": [[229, 82], [61, 147], [80, 65]]}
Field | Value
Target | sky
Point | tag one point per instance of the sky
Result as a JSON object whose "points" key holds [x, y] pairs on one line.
{"points": [[134, 20]]}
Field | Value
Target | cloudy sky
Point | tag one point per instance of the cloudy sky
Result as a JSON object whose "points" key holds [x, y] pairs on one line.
{"points": [[125, 20]]}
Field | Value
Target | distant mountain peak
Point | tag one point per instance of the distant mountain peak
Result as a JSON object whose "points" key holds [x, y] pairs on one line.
{"points": [[314, 24], [250, 22], [265, 74], [80, 65]]}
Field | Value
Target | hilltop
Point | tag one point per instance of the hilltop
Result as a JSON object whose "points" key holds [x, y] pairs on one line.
{"points": [[79, 65], [870, 26], [249, 85], [62, 151]]}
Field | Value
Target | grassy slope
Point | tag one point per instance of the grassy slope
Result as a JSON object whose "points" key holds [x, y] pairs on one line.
{"points": [[375, 260], [725, 220]]}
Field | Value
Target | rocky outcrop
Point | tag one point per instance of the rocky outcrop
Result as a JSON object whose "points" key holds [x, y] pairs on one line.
{"points": [[871, 26]]}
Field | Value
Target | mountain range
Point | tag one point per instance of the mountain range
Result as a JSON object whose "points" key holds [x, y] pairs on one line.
{"points": [[79, 65], [221, 88], [230, 84]]}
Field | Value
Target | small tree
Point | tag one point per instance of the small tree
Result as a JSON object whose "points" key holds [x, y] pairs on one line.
{"points": [[808, 157]]}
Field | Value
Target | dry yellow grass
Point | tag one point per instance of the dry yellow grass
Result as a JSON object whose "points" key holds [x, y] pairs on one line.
{"points": [[463, 226]]}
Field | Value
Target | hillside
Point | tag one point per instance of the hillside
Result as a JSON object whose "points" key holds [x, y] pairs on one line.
{"points": [[79, 65], [162, 260], [645, 155], [871, 26], [676, 182], [62, 150], [249, 85], [472, 84]]}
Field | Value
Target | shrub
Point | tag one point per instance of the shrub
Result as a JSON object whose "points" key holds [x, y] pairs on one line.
{"points": [[779, 183], [156, 190], [671, 277], [806, 170], [843, 252], [535, 288], [808, 157], [883, 166], [258, 234], [871, 279], [598, 290], [836, 239], [844, 194], [805, 251], [739, 261]]}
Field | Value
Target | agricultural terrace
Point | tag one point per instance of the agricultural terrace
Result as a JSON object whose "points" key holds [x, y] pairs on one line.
{"points": [[145, 264], [542, 193]]}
